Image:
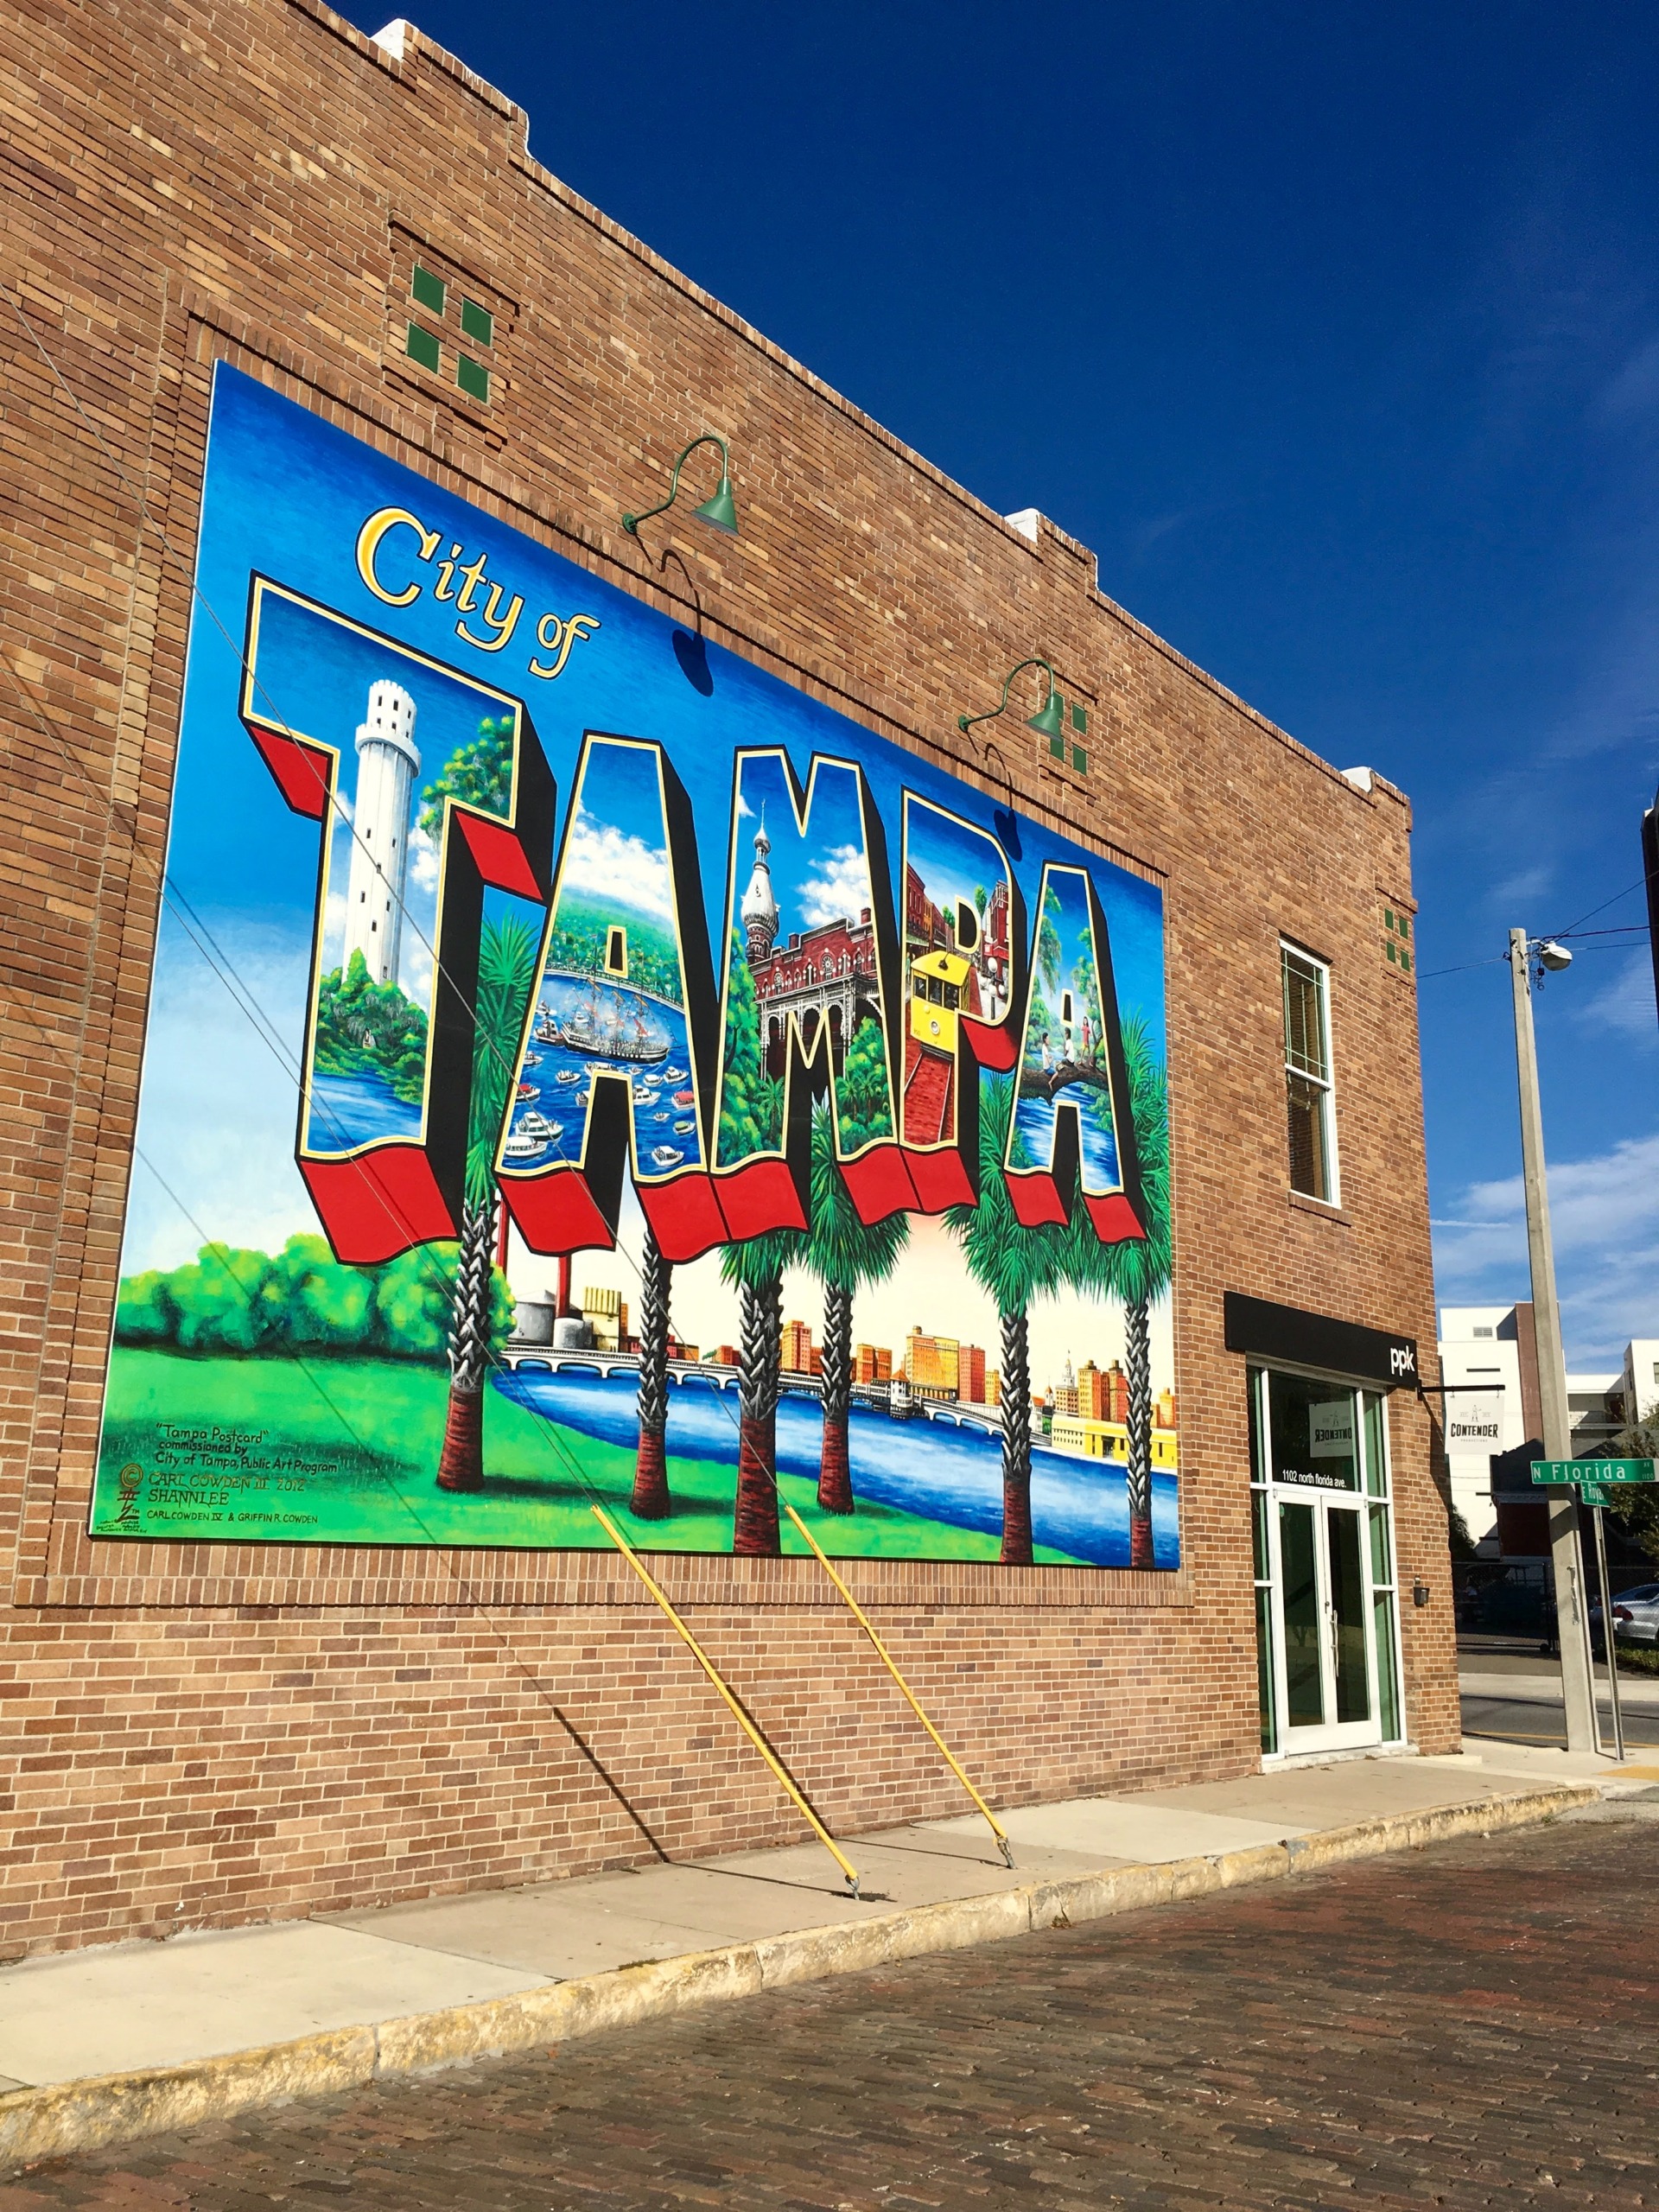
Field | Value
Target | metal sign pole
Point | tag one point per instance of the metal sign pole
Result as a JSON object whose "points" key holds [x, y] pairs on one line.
{"points": [[1608, 1638], [1571, 1613], [1596, 1744]]}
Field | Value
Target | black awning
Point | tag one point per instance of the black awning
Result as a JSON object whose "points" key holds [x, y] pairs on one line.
{"points": [[1319, 1341]]}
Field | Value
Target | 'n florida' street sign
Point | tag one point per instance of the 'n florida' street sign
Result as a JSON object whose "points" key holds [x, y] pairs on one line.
{"points": [[1597, 1470]]}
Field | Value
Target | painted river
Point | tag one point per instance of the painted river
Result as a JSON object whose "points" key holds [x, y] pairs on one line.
{"points": [[926, 1467]]}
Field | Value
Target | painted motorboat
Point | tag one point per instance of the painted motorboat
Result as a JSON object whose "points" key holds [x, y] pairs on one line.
{"points": [[663, 1155]]}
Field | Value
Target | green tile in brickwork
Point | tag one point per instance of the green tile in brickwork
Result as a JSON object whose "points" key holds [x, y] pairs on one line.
{"points": [[421, 346], [430, 290], [472, 378], [1080, 759], [477, 323]]}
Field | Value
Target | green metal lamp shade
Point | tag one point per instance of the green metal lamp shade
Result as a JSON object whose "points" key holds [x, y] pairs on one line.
{"points": [[1049, 720], [721, 511]]}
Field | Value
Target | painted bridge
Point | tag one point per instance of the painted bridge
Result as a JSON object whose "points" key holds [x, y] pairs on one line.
{"points": [[550, 1360]]}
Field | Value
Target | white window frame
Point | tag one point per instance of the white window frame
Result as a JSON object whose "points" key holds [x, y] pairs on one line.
{"points": [[1327, 1083]]}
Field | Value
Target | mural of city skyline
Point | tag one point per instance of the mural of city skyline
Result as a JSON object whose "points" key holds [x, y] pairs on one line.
{"points": [[669, 1096]]}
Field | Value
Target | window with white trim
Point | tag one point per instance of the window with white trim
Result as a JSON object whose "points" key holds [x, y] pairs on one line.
{"points": [[1309, 1103]]}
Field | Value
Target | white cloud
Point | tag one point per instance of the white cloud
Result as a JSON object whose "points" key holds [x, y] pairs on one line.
{"points": [[415, 970], [1627, 1005], [839, 889], [423, 859], [1605, 1224], [600, 860], [744, 812], [1522, 888]]}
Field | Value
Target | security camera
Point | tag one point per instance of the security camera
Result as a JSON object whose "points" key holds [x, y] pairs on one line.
{"points": [[1554, 957]]}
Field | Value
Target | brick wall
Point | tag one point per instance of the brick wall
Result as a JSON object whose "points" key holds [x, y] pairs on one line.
{"points": [[201, 1734]]}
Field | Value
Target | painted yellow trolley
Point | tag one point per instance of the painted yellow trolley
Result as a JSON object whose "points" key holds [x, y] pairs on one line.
{"points": [[935, 986]]}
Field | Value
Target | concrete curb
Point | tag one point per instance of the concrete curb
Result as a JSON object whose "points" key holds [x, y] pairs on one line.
{"points": [[71, 2116]]}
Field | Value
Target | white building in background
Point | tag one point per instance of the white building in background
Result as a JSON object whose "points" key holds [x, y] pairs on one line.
{"points": [[1492, 1352], [1480, 1345], [387, 764], [1639, 1384]]}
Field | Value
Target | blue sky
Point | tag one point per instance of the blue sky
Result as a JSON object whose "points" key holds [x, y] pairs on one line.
{"points": [[1335, 332]]}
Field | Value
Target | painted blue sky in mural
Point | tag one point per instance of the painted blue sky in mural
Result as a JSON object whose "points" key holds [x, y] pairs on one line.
{"points": [[667, 758], [310, 490], [301, 490]]}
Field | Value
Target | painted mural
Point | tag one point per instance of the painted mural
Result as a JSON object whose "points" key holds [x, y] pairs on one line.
{"points": [[583, 1069]]}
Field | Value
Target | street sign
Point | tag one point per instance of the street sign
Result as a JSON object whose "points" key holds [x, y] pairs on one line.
{"points": [[1602, 1471], [1593, 1494]]}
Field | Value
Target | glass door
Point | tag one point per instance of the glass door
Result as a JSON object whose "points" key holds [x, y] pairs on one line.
{"points": [[1325, 1619]]}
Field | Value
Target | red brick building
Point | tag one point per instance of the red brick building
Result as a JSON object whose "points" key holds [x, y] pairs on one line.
{"points": [[204, 1733]]}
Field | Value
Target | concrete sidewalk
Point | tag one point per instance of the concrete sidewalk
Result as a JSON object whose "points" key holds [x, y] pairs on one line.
{"points": [[98, 2044]]}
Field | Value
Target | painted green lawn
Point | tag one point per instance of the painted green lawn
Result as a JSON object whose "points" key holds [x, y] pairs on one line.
{"points": [[347, 1448]]}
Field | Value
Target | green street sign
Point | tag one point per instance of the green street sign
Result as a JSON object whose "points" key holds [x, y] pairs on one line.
{"points": [[1601, 1471], [1593, 1494]]}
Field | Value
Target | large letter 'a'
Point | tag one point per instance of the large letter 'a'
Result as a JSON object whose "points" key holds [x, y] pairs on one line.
{"points": [[391, 1015], [1070, 1126]]}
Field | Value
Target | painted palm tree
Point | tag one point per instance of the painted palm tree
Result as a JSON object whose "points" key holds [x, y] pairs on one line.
{"points": [[507, 978], [844, 1253], [1136, 1271], [1015, 1265], [757, 1268], [651, 1498]]}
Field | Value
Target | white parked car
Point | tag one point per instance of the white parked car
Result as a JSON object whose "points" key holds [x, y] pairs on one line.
{"points": [[1636, 1614]]}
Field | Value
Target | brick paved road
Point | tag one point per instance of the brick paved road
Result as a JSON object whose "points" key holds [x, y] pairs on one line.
{"points": [[1473, 2025]]}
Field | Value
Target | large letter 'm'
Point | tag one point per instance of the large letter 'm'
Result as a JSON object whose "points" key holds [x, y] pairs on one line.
{"points": [[1073, 1109], [616, 1064], [809, 955], [382, 1140]]}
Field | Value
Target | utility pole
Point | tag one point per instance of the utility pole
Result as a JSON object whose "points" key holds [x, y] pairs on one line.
{"points": [[1572, 1609]]}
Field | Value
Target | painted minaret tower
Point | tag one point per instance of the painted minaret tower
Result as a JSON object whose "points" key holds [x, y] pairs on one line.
{"points": [[759, 909], [387, 764]]}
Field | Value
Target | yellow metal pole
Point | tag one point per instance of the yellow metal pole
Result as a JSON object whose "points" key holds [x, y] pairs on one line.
{"points": [[738, 1714], [886, 1657]]}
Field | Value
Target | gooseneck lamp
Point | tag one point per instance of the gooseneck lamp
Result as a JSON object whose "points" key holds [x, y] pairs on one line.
{"points": [[719, 512], [1049, 720]]}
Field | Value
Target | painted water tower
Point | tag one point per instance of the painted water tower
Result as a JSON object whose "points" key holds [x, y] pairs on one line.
{"points": [[387, 764]]}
